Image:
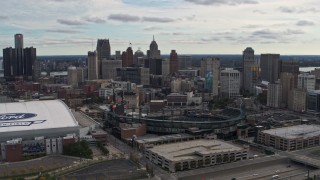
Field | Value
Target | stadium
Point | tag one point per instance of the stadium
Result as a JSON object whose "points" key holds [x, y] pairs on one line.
{"points": [[224, 123], [35, 127]]}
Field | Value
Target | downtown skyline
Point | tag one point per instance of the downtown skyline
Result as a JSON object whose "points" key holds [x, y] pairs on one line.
{"points": [[72, 27]]}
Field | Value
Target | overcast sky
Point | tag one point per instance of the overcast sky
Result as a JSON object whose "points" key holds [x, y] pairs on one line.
{"points": [[70, 27]]}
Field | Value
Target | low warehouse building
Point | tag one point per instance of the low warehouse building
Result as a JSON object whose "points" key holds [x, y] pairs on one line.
{"points": [[195, 154]]}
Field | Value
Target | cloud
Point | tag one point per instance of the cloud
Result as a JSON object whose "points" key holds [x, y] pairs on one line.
{"points": [[152, 28], [70, 22], [259, 12], [3, 17], [95, 20], [222, 2], [63, 31], [284, 9], [123, 17], [305, 23], [157, 19]]}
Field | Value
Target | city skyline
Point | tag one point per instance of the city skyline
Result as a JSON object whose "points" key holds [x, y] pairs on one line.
{"points": [[61, 27]]}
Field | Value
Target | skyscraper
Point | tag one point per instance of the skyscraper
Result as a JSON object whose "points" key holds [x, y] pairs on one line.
{"points": [[248, 62], [270, 67], [18, 62], [230, 83], [18, 41], [211, 65], [287, 83], [137, 56], [173, 61], [103, 52], [153, 52], [93, 71], [127, 58]]}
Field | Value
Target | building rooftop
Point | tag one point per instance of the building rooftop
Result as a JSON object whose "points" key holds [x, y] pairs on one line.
{"points": [[294, 132], [193, 149]]}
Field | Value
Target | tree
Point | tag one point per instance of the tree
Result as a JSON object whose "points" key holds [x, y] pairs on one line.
{"points": [[78, 149]]}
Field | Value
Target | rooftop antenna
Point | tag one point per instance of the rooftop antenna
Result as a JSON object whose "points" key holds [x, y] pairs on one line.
{"points": [[153, 37], [130, 45], [92, 45]]}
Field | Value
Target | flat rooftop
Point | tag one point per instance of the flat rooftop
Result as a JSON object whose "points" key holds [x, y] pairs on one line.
{"points": [[294, 132], [193, 149], [149, 138]]}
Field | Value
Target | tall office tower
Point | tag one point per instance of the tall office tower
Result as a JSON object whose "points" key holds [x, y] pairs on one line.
{"points": [[80, 75], [184, 62], [93, 71], [153, 52], [118, 55], [248, 62], [230, 83], [165, 67], [73, 77], [287, 83], [30, 58], [270, 67], [18, 41], [291, 66], [124, 58], [110, 68], [103, 52], [173, 62], [211, 65], [127, 58], [137, 56], [306, 81], [18, 62], [274, 94], [155, 66]]}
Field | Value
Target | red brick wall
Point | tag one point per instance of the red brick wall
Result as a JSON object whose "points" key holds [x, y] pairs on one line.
{"points": [[14, 152], [68, 141]]}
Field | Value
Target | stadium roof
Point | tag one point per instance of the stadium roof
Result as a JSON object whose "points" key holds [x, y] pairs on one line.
{"points": [[35, 115]]}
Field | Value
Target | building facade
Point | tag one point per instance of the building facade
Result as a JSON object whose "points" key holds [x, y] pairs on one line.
{"points": [[211, 65], [110, 68], [297, 100], [306, 81], [153, 52], [136, 75], [274, 97], [230, 83], [93, 66], [103, 51], [173, 62], [287, 84], [248, 62], [270, 67]]}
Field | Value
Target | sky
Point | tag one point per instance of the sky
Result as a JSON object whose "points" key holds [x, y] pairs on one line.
{"points": [[72, 27]]}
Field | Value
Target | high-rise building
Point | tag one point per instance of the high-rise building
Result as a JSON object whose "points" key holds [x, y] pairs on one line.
{"points": [[313, 101], [136, 75], [287, 83], [18, 41], [297, 100], [248, 62], [274, 94], [173, 62], [93, 67], [291, 66], [165, 67], [306, 81], [127, 57], [18, 62], [73, 77], [184, 62], [118, 55], [103, 51], [138, 55], [211, 65], [230, 83], [270, 67], [110, 67], [155, 66], [153, 52]]}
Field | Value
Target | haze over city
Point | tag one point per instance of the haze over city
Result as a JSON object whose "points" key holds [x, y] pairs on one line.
{"points": [[65, 27]]}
